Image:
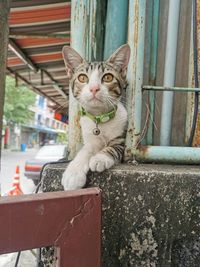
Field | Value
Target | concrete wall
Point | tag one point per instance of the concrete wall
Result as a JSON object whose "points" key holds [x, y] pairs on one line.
{"points": [[150, 214]]}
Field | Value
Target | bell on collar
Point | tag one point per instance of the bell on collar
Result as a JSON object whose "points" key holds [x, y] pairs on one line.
{"points": [[96, 131]]}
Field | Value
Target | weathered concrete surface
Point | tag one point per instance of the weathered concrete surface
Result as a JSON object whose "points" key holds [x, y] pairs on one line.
{"points": [[151, 214]]}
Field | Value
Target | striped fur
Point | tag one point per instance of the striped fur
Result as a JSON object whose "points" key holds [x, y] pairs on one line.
{"points": [[103, 151]]}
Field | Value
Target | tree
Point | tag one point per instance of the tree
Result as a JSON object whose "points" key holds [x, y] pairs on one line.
{"points": [[17, 103]]}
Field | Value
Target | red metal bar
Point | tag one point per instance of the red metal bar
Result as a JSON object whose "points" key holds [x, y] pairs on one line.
{"points": [[70, 221]]}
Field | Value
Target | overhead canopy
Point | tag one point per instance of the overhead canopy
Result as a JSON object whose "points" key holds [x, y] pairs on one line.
{"points": [[38, 31]]}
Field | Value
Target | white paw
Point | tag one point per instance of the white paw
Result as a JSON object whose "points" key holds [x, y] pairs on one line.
{"points": [[100, 162], [73, 178]]}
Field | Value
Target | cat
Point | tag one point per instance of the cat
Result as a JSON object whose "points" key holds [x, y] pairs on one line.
{"points": [[98, 88]]}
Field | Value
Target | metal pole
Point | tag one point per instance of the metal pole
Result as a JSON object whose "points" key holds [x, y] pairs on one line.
{"points": [[116, 25], [168, 154], [4, 34], [170, 89], [136, 36], [87, 39], [169, 72]]}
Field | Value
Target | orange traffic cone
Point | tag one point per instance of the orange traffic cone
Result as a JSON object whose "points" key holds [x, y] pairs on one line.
{"points": [[16, 190]]}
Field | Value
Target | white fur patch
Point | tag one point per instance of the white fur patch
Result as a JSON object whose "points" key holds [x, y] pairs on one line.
{"points": [[100, 162], [74, 177]]}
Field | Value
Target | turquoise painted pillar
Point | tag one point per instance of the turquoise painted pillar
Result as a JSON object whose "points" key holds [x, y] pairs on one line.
{"points": [[153, 28], [136, 37], [87, 32], [116, 25]]}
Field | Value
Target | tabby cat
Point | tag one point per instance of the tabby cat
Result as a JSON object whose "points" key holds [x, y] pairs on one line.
{"points": [[98, 87]]}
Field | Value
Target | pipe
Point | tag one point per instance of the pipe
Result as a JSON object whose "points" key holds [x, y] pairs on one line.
{"points": [[169, 72], [168, 154], [116, 25], [172, 89]]}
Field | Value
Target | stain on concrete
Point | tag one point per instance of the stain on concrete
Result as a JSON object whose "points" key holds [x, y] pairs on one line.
{"points": [[151, 214]]}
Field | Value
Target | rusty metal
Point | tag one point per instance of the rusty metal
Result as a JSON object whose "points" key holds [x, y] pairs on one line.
{"points": [[136, 35], [168, 154], [70, 221], [86, 39]]}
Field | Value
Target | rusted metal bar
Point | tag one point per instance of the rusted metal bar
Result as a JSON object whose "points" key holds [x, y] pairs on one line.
{"points": [[4, 33], [171, 89], [87, 39], [168, 154], [136, 36], [70, 221]]}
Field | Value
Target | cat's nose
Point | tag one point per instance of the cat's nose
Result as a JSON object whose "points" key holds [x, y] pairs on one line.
{"points": [[94, 89]]}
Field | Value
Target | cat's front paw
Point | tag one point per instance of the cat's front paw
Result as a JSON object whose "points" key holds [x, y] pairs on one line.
{"points": [[73, 179], [100, 162]]}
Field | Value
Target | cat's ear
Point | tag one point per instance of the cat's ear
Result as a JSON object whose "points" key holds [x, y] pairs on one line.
{"points": [[120, 57], [72, 60]]}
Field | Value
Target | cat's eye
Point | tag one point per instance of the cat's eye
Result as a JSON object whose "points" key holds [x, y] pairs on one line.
{"points": [[83, 78], [107, 78]]}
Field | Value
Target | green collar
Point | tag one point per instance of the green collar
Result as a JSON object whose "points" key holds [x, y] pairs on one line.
{"points": [[100, 118]]}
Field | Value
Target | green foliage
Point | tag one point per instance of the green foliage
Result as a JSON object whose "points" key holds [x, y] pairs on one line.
{"points": [[17, 103], [62, 138]]}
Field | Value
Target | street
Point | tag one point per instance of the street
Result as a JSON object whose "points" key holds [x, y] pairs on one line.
{"points": [[9, 160]]}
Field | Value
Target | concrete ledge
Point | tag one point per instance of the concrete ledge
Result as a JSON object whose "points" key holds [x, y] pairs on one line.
{"points": [[151, 213]]}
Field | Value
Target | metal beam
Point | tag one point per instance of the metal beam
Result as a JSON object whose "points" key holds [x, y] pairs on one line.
{"points": [[20, 54], [4, 33], [136, 37], [34, 88], [56, 86], [32, 35]]}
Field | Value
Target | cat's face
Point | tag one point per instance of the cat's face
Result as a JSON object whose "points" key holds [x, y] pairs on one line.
{"points": [[97, 85]]}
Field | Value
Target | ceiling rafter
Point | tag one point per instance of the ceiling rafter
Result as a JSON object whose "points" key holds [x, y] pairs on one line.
{"points": [[20, 54], [34, 88]]}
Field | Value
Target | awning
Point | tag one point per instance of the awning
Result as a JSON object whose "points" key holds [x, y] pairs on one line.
{"points": [[41, 128], [38, 31]]}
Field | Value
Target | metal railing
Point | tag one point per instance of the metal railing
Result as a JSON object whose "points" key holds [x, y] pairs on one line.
{"points": [[69, 221]]}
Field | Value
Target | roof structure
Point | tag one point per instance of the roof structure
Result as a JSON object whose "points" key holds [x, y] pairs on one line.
{"points": [[38, 31]]}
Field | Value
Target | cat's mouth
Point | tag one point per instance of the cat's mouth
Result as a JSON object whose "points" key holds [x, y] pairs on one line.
{"points": [[95, 99]]}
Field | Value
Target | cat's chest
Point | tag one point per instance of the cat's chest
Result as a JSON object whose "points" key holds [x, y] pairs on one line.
{"points": [[108, 130]]}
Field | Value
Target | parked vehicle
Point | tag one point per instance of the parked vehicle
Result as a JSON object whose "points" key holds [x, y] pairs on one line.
{"points": [[47, 153]]}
